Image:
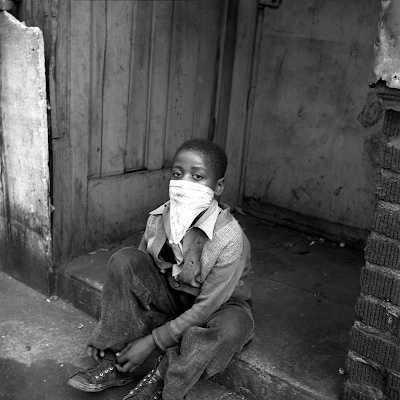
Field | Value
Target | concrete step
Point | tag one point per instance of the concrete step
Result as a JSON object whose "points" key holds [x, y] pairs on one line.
{"points": [[304, 293]]}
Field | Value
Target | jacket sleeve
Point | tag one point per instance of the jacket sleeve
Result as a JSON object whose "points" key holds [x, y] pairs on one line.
{"points": [[216, 290]]}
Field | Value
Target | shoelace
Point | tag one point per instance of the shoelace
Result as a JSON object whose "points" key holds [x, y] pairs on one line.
{"points": [[100, 375], [104, 373], [147, 380]]}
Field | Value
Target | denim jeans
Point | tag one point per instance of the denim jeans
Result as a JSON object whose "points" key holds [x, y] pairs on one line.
{"points": [[137, 298]]}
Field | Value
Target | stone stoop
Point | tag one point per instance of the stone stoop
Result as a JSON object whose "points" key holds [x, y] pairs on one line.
{"points": [[304, 297]]}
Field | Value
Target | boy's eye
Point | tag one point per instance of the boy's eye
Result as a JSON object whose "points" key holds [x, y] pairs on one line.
{"points": [[197, 177], [176, 174]]}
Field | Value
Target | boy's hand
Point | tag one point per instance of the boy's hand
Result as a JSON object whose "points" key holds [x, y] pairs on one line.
{"points": [[135, 354], [96, 353]]}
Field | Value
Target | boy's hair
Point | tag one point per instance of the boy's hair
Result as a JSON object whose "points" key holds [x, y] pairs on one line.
{"points": [[213, 154]]}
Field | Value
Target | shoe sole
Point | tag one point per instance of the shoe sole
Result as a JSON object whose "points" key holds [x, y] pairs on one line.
{"points": [[97, 388]]}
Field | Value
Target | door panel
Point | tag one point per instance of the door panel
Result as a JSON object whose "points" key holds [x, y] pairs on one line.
{"points": [[153, 64]]}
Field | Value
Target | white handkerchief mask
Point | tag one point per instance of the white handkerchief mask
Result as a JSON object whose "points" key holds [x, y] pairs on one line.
{"points": [[187, 201]]}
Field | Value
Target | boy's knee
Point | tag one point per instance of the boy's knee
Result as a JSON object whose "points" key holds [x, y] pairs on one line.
{"points": [[124, 260], [233, 325]]}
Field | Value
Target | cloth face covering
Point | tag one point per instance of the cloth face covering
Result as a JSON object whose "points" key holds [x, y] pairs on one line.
{"points": [[187, 201]]}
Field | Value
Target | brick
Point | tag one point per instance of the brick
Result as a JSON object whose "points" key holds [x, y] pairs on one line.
{"points": [[381, 283], [393, 387], [375, 348], [391, 157], [383, 251], [388, 187], [386, 220], [377, 314], [365, 373], [391, 124], [357, 392]]}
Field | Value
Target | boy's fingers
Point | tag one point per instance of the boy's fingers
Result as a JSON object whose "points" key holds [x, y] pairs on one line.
{"points": [[121, 358], [122, 352], [127, 367], [94, 354], [132, 369]]}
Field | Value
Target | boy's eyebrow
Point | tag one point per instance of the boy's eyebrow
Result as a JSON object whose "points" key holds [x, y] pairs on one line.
{"points": [[192, 167]]}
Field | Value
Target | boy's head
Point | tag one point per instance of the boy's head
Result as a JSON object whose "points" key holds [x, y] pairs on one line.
{"points": [[201, 161]]}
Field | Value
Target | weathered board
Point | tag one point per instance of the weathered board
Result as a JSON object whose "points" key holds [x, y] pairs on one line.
{"points": [[25, 237]]}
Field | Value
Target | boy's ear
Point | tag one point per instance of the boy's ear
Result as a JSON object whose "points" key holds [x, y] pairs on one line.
{"points": [[220, 186]]}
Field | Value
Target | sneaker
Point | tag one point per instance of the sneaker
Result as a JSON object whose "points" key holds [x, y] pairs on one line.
{"points": [[102, 376], [149, 388]]}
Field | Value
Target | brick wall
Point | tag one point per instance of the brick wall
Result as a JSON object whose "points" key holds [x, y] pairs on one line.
{"points": [[373, 361]]}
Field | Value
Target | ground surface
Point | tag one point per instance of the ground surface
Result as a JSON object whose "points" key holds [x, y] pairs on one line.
{"points": [[304, 292], [42, 343]]}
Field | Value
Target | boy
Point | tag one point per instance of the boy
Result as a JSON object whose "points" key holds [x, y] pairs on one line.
{"points": [[182, 293]]}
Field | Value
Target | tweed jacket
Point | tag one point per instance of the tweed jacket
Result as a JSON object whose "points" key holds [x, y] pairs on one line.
{"points": [[214, 271]]}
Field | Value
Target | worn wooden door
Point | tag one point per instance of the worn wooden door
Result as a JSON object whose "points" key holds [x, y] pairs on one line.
{"points": [[129, 82]]}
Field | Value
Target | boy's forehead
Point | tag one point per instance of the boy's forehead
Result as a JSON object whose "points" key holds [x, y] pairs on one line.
{"points": [[193, 156]]}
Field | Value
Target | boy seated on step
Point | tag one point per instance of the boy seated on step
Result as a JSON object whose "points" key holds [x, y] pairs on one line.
{"points": [[182, 295]]}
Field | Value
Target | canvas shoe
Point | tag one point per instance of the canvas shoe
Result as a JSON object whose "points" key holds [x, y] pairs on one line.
{"points": [[149, 388], [102, 376]]}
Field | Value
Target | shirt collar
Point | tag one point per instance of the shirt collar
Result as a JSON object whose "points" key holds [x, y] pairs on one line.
{"points": [[161, 209], [206, 222]]}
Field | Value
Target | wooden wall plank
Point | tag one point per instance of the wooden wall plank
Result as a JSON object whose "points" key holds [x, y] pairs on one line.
{"points": [[227, 56], [116, 86], [207, 68], [61, 188], [74, 218], [138, 91], [98, 21], [59, 73], [159, 74], [51, 71], [57, 199], [183, 72], [43, 12], [24, 11]]}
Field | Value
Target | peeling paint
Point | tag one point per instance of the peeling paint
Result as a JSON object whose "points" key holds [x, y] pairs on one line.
{"points": [[337, 191], [372, 112], [386, 63]]}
